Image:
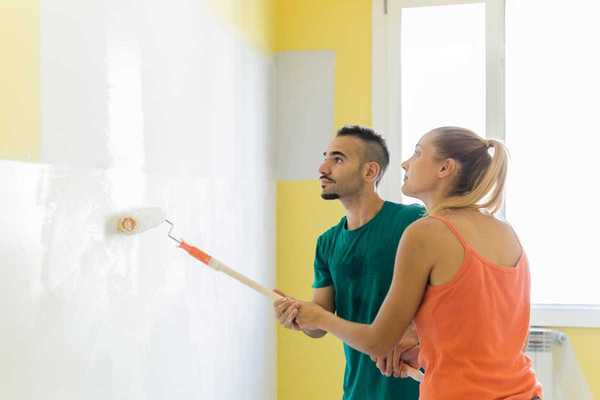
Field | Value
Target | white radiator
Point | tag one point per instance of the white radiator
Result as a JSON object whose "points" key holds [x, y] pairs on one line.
{"points": [[555, 365]]}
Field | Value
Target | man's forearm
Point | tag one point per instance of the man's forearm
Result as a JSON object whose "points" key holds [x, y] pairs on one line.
{"points": [[324, 298]]}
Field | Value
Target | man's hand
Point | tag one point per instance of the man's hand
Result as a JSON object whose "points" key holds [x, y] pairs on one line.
{"points": [[286, 311], [405, 352], [288, 308]]}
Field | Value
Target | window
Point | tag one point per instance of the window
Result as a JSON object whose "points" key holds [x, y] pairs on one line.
{"points": [[442, 70], [541, 101], [552, 89]]}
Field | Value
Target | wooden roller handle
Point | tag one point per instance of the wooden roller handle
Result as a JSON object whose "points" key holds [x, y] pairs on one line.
{"points": [[219, 266]]}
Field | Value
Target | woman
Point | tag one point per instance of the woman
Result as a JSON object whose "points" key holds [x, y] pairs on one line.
{"points": [[460, 274]]}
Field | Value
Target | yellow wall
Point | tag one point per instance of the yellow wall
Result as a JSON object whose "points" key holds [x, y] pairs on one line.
{"points": [[253, 19], [340, 25], [586, 343], [309, 368], [19, 80]]}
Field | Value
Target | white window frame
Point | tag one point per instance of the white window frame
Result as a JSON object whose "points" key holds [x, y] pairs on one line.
{"points": [[386, 112]]}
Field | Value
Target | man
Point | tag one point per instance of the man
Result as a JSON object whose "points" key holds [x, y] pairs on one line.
{"points": [[354, 259]]}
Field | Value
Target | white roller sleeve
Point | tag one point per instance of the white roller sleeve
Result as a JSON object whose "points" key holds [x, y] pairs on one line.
{"points": [[139, 220]]}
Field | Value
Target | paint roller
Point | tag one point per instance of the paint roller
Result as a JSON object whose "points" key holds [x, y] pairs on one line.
{"points": [[142, 219]]}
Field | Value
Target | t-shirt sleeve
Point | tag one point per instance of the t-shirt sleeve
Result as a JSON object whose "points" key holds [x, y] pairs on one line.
{"points": [[322, 276], [416, 211]]}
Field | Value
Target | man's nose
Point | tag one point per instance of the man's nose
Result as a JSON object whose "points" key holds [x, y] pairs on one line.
{"points": [[324, 168]]}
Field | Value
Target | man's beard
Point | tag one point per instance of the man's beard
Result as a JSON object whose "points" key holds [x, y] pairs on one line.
{"points": [[350, 187], [330, 196]]}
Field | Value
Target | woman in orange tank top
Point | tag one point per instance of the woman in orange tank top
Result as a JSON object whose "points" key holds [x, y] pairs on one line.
{"points": [[460, 274]]}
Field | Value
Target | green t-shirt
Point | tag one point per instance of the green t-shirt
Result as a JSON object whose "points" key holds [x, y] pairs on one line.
{"points": [[359, 265]]}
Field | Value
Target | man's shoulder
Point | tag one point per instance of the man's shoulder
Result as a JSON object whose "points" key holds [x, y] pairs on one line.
{"points": [[332, 232], [406, 212]]}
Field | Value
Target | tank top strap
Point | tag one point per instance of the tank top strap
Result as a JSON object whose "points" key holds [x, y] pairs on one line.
{"points": [[453, 229]]}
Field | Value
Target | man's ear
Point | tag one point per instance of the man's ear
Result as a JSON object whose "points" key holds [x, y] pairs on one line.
{"points": [[372, 170]]}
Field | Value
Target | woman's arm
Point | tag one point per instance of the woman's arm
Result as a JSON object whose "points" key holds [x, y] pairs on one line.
{"points": [[415, 258]]}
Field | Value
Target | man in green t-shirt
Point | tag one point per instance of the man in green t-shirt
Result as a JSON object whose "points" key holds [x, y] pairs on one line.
{"points": [[354, 259]]}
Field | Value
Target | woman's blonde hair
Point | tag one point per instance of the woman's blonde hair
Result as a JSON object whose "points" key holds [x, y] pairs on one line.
{"points": [[480, 181]]}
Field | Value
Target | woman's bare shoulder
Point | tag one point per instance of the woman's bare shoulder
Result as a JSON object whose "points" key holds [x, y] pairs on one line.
{"points": [[426, 229]]}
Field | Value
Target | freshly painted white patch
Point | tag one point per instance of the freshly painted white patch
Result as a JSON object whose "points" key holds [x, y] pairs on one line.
{"points": [[143, 103], [154, 85], [92, 315]]}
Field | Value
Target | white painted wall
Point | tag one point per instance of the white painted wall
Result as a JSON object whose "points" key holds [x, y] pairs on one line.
{"points": [[143, 103]]}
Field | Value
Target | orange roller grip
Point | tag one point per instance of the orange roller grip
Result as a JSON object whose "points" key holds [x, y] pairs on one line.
{"points": [[195, 252]]}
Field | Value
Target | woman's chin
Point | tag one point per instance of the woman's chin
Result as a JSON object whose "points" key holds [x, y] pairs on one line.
{"points": [[406, 191]]}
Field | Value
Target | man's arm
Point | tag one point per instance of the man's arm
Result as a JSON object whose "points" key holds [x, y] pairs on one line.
{"points": [[324, 297], [415, 258]]}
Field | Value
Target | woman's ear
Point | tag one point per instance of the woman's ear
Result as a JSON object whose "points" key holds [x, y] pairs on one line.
{"points": [[448, 168]]}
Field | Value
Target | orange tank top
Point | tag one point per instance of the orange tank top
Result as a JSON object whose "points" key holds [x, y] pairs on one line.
{"points": [[473, 331]]}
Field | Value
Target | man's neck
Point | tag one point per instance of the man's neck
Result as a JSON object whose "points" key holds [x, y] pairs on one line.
{"points": [[361, 209]]}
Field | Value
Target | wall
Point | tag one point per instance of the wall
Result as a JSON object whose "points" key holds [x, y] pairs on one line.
{"points": [[329, 43], [136, 103], [585, 342]]}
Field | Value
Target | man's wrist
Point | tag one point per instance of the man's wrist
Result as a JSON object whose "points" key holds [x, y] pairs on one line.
{"points": [[315, 333], [323, 319]]}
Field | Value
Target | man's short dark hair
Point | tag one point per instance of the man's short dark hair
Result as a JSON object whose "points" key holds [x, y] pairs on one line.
{"points": [[375, 149]]}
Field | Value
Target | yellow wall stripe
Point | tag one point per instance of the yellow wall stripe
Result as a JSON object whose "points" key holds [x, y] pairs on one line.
{"points": [[20, 80], [340, 25], [253, 19], [307, 368]]}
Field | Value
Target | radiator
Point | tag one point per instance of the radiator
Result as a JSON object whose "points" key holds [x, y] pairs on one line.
{"points": [[555, 365], [540, 347]]}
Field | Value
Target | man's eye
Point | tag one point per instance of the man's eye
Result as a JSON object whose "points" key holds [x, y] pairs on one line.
{"points": [[338, 160]]}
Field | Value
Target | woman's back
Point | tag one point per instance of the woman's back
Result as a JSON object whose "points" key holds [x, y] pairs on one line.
{"points": [[490, 238], [474, 318]]}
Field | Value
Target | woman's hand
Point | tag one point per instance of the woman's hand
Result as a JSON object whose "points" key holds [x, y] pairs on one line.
{"points": [[406, 351], [310, 315], [286, 309]]}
